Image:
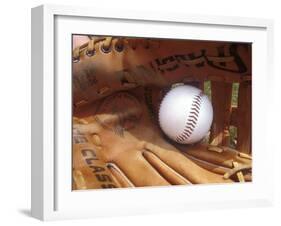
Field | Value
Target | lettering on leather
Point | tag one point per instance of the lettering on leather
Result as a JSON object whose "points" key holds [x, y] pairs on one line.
{"points": [[171, 63], [90, 159], [241, 66], [79, 138]]}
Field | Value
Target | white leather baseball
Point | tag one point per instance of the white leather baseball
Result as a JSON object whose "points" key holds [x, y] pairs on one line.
{"points": [[185, 114]]}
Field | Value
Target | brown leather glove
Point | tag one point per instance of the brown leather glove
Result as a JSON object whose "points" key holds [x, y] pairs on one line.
{"points": [[117, 143]]}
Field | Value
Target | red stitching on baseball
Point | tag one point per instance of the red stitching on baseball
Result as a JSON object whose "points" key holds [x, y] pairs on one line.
{"points": [[195, 104], [190, 124], [178, 140], [185, 136], [180, 137], [192, 118], [189, 131], [195, 109], [192, 121], [195, 113]]}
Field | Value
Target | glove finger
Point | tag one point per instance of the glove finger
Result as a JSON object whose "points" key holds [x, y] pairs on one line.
{"points": [[217, 169], [119, 175], [168, 173], [222, 160], [138, 170], [225, 157], [184, 166], [209, 166]]}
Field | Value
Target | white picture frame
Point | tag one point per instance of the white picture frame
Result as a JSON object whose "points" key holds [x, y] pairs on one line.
{"points": [[52, 197]]}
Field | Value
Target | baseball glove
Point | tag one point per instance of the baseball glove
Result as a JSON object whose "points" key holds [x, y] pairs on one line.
{"points": [[116, 138]]}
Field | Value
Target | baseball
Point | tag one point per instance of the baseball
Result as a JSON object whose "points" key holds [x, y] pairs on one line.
{"points": [[185, 114]]}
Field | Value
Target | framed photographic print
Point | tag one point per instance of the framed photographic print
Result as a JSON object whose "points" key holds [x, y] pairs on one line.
{"points": [[150, 112]]}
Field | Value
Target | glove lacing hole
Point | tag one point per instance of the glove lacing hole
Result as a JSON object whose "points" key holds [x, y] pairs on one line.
{"points": [[119, 48], [75, 59], [90, 53], [119, 45], [91, 48], [106, 45], [105, 49]]}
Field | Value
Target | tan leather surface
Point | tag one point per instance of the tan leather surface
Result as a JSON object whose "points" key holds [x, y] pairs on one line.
{"points": [[131, 148]]}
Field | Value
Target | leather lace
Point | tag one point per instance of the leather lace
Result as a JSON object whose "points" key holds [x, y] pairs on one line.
{"points": [[106, 45], [238, 171]]}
